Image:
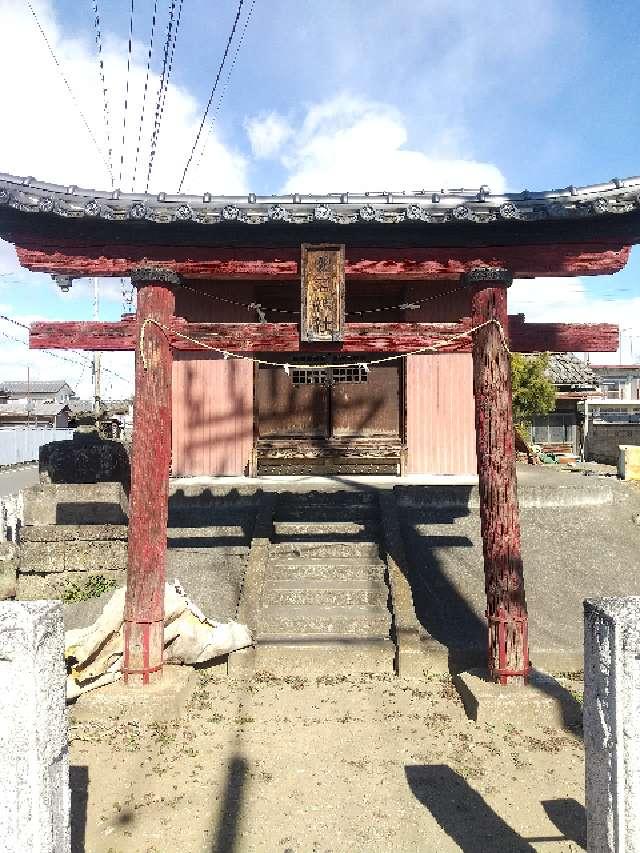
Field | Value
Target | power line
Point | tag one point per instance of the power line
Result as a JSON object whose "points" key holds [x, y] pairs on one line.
{"points": [[69, 89], [144, 96], [227, 79], [107, 123], [170, 64], [164, 81], [126, 92], [213, 91]]}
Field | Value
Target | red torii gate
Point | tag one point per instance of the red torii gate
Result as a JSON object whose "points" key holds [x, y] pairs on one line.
{"points": [[160, 259]]}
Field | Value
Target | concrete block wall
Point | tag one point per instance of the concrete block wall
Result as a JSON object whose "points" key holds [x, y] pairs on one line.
{"points": [[603, 440], [68, 533]]}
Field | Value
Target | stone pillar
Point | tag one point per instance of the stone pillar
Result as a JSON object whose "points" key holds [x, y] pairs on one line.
{"points": [[612, 724], [34, 759], [508, 646], [150, 463]]}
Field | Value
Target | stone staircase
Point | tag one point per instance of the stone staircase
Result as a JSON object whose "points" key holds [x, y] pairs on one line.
{"points": [[324, 598], [209, 538]]}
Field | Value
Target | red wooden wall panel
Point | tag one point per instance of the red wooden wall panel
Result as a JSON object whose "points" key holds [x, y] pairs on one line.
{"points": [[212, 415], [440, 414]]}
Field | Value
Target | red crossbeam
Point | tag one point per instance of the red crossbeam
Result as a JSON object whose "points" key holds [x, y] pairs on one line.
{"points": [[283, 264], [359, 337]]}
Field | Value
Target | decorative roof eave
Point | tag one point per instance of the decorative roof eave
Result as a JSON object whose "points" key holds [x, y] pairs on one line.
{"points": [[476, 206]]}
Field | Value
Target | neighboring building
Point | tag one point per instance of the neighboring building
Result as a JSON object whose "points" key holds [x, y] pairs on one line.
{"points": [[618, 381], [608, 424], [50, 391], [575, 382], [35, 413]]}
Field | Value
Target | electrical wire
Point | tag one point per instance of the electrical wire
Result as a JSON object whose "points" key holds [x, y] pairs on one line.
{"points": [[160, 98], [227, 81], [213, 91], [106, 112], [144, 96], [170, 63], [126, 92], [70, 90]]}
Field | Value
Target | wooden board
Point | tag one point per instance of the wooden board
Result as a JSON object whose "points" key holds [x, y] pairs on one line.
{"points": [[322, 292]]}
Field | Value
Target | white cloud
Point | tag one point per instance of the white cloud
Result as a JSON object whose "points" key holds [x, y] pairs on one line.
{"points": [[8, 259], [267, 134], [43, 135], [48, 138], [349, 143]]}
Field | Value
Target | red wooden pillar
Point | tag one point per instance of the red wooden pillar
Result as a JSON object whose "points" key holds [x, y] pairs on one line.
{"points": [[499, 511], [150, 462]]}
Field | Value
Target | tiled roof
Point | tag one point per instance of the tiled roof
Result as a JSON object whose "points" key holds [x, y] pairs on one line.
{"points": [[341, 208], [36, 409], [36, 387], [566, 369]]}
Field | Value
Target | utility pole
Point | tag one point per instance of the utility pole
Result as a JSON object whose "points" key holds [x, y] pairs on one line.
{"points": [[96, 355]]}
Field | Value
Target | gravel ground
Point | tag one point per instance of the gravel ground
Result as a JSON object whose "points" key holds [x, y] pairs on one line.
{"points": [[325, 765]]}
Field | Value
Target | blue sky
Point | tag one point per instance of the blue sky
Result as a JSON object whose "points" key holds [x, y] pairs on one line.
{"points": [[336, 95]]}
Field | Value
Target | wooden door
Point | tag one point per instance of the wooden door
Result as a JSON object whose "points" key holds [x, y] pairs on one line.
{"points": [[365, 403], [294, 404]]}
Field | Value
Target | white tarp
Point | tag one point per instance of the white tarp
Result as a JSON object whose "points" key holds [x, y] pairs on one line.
{"points": [[95, 653]]}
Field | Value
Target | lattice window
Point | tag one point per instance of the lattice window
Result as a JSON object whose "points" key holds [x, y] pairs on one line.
{"points": [[300, 376], [355, 373]]}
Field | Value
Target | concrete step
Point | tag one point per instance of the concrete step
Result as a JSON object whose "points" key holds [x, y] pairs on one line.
{"points": [[309, 621], [323, 570], [321, 593], [327, 513], [328, 551], [324, 656], [327, 530], [210, 516], [328, 497]]}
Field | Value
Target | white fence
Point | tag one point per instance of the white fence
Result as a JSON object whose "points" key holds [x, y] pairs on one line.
{"points": [[22, 444]]}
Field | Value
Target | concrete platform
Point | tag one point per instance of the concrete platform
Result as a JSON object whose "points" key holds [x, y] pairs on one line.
{"points": [[156, 703], [542, 702]]}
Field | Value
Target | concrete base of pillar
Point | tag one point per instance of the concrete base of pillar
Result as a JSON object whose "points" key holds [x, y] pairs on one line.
{"points": [[159, 702], [542, 702]]}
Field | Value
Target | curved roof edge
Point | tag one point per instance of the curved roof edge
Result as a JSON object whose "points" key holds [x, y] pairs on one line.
{"points": [[428, 206]]}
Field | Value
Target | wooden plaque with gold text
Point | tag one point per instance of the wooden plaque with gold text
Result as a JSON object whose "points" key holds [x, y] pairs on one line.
{"points": [[322, 294]]}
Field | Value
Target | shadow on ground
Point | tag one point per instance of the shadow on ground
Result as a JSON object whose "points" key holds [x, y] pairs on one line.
{"points": [[461, 811], [79, 784], [570, 818]]}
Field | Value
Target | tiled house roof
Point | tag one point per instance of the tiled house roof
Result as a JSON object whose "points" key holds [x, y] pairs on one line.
{"points": [[566, 370]]}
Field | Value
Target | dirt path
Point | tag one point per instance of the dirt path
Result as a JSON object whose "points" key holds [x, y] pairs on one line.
{"points": [[327, 765]]}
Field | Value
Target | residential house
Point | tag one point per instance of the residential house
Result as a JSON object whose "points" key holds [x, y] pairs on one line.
{"points": [[562, 429], [49, 391]]}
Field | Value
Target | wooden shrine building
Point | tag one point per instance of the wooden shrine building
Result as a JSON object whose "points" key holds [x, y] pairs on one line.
{"points": [[332, 333]]}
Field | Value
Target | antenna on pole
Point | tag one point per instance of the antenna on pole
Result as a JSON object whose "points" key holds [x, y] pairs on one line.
{"points": [[97, 355]]}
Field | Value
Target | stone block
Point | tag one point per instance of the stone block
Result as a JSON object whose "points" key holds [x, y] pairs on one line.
{"points": [[97, 503], [48, 557], [629, 462], [87, 458], [34, 758], [36, 587], [541, 702], [161, 701], [74, 533], [95, 556], [612, 724], [8, 570]]}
